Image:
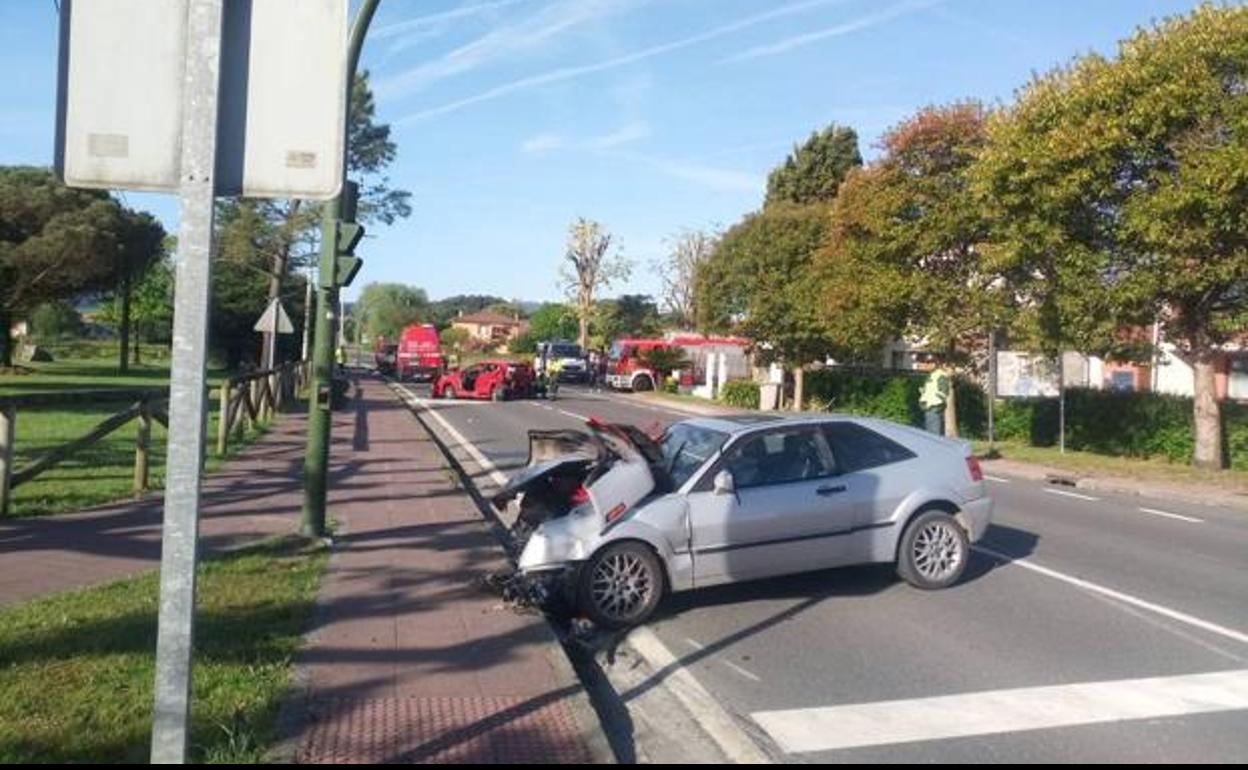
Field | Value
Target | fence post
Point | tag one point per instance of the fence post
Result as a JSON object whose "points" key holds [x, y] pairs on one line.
{"points": [[142, 444], [272, 395], [279, 388], [8, 419], [248, 397], [223, 419]]}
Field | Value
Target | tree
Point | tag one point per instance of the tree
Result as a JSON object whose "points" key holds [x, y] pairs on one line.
{"points": [[385, 308], [142, 245], [552, 321], [758, 283], [151, 306], [54, 320], [1118, 189], [678, 272], [904, 258], [590, 267], [55, 242], [629, 315], [813, 172], [370, 152], [444, 311]]}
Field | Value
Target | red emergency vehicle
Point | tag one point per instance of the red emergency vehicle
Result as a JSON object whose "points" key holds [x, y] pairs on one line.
{"points": [[627, 368], [419, 354]]}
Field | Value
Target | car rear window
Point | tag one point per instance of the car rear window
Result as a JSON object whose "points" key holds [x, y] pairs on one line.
{"points": [[857, 448]]}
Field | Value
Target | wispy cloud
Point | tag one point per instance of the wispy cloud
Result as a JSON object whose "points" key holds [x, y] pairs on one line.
{"points": [[710, 177], [542, 143], [416, 23], [548, 142], [529, 33], [627, 134], [838, 30], [569, 73]]}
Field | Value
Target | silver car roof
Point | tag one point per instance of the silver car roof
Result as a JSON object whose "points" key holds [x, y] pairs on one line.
{"points": [[735, 425]]}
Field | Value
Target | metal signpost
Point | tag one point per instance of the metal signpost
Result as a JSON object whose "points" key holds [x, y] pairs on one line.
{"points": [[273, 321], [148, 92]]}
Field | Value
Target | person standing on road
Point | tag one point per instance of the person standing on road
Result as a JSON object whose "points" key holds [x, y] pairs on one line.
{"points": [[932, 399], [553, 368]]}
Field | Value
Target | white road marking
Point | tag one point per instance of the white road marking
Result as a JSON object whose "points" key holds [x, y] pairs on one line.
{"points": [[1134, 601], [573, 415], [747, 674], [1076, 495], [1168, 515], [480, 459], [1002, 711], [694, 644], [680, 682], [997, 479]]}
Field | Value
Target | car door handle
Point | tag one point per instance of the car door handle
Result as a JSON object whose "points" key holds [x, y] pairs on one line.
{"points": [[831, 490]]}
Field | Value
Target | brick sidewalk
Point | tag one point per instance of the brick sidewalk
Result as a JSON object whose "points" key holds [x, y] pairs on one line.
{"points": [[411, 661], [254, 496]]}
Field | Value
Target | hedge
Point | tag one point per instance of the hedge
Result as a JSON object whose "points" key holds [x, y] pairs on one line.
{"points": [[742, 394], [1100, 421]]}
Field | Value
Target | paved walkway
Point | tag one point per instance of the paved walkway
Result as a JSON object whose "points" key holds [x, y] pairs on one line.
{"points": [[411, 661], [256, 495]]}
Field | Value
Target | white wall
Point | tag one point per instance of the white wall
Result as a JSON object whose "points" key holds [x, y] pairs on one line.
{"points": [[1173, 375]]}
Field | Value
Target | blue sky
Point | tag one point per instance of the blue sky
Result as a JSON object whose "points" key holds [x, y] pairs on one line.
{"points": [[513, 117]]}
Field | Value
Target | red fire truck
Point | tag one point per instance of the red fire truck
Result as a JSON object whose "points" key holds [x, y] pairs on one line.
{"points": [[419, 354], [627, 368]]}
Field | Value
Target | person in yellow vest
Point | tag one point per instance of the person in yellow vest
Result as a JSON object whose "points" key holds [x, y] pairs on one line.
{"points": [[933, 397], [553, 369]]}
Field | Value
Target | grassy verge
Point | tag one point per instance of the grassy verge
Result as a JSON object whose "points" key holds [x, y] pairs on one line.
{"points": [[76, 669], [103, 472], [1154, 470]]}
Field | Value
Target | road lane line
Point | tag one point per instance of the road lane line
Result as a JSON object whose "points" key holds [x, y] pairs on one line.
{"points": [[1003, 711], [1076, 495], [573, 415], [497, 476], [1168, 515], [694, 644], [681, 683], [747, 674], [1134, 601], [997, 479]]}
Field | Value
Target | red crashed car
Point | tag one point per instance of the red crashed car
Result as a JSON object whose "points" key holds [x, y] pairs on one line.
{"points": [[488, 380]]}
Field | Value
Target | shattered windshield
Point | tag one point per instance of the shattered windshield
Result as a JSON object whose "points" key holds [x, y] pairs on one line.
{"points": [[686, 448]]}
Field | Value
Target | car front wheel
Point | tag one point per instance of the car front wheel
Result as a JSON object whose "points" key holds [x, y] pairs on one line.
{"points": [[934, 551], [621, 585]]}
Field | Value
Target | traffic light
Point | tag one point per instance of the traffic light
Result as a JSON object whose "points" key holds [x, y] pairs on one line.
{"points": [[346, 236]]}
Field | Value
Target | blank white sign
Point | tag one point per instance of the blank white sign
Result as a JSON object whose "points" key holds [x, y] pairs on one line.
{"points": [[282, 102]]}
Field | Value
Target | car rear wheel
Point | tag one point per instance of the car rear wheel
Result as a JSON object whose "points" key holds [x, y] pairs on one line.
{"points": [[934, 551], [643, 383], [621, 585], [448, 393]]}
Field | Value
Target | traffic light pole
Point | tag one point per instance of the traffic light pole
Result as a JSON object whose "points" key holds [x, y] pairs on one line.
{"points": [[320, 397]]}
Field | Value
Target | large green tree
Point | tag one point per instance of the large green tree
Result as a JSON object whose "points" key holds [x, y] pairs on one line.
{"points": [[55, 243], [553, 321], [385, 308], [1119, 191], [758, 283], [629, 315], [814, 171], [142, 246], [904, 259]]}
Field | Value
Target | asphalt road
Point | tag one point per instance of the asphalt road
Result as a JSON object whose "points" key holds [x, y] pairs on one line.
{"points": [[1089, 627]]}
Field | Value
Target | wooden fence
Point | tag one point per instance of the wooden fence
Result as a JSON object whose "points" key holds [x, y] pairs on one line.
{"points": [[246, 401]]}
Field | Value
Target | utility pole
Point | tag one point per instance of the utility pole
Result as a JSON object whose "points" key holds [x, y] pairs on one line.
{"points": [[187, 394], [335, 234]]}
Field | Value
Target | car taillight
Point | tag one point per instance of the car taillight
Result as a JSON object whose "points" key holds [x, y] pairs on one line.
{"points": [[972, 465], [580, 496]]}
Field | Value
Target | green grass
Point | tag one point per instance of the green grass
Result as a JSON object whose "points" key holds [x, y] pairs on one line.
{"points": [[103, 472], [1156, 469], [76, 669]]}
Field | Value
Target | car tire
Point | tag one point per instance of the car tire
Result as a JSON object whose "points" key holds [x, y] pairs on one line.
{"points": [[620, 585], [499, 393], [448, 393], [934, 551], [643, 384]]}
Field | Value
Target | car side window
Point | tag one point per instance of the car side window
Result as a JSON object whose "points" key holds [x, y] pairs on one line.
{"points": [[857, 448], [779, 457]]}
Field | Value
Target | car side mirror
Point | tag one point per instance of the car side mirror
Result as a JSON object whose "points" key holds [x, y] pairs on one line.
{"points": [[725, 484]]}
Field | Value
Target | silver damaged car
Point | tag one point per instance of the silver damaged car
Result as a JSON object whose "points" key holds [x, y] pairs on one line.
{"points": [[611, 519]]}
